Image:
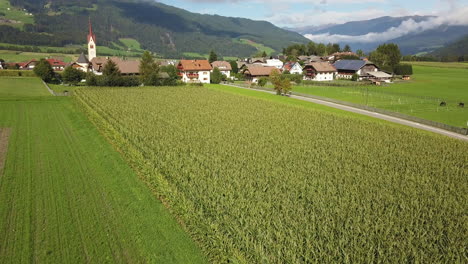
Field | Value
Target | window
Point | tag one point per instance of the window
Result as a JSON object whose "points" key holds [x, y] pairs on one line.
{"points": [[205, 79], [92, 46]]}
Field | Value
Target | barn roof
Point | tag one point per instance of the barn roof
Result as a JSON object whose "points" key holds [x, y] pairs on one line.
{"points": [[351, 65], [322, 66], [222, 65], [195, 65], [261, 71]]}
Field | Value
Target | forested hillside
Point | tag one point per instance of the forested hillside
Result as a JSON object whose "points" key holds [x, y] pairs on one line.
{"points": [[457, 50], [160, 28]]}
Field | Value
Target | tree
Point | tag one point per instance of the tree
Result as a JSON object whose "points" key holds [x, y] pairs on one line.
{"points": [[360, 53], [235, 68], [111, 74], [213, 57], [311, 48], [72, 76], [149, 70], [44, 71], [91, 79], [386, 55], [216, 76], [404, 69], [264, 54], [262, 81], [347, 48], [355, 77], [171, 70], [282, 85], [321, 49]]}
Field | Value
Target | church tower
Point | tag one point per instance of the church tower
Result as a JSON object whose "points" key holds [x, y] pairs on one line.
{"points": [[91, 43]]}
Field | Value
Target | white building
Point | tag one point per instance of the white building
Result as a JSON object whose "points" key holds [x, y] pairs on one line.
{"points": [[274, 63], [223, 66], [319, 71], [91, 43], [292, 67], [194, 71]]}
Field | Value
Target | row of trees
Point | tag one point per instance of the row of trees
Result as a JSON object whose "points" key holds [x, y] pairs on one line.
{"points": [[150, 74], [317, 49]]}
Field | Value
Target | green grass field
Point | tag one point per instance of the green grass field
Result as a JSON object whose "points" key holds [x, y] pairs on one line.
{"points": [[259, 178], [260, 47], [15, 14], [459, 65], [66, 196], [420, 97], [19, 56]]}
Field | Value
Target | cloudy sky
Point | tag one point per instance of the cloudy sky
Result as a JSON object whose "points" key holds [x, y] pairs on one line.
{"points": [[296, 13]]}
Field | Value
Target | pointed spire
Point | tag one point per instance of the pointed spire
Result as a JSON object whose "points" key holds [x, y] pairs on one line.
{"points": [[91, 34]]}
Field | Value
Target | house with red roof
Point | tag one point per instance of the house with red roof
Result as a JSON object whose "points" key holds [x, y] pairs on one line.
{"points": [[57, 65], [194, 71]]}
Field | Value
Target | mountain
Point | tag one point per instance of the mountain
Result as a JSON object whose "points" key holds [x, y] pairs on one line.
{"points": [[161, 28], [363, 27], [368, 34], [456, 49]]}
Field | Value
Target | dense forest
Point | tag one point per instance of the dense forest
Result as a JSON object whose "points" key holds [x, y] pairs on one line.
{"points": [[160, 28]]}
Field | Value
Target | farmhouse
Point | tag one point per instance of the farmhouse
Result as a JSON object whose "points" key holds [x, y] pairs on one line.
{"points": [[28, 65], [194, 71], [347, 68], [254, 73], [319, 71], [223, 66], [57, 65], [292, 67]]}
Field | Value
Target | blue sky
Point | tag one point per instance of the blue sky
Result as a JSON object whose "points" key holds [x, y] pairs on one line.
{"points": [[298, 13]]}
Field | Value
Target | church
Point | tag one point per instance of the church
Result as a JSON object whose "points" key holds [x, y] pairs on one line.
{"points": [[94, 64]]}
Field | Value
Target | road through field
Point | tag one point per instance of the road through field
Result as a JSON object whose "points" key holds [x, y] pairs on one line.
{"points": [[371, 114]]}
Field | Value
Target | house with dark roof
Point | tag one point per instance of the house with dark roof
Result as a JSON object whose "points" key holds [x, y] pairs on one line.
{"points": [[254, 73], [194, 71], [319, 71], [292, 67], [347, 68]]}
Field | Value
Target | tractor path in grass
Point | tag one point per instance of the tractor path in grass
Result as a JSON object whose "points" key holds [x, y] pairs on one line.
{"points": [[371, 114]]}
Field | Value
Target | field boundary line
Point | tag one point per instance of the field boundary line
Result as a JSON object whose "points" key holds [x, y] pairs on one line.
{"points": [[376, 113], [52, 92], [4, 137]]}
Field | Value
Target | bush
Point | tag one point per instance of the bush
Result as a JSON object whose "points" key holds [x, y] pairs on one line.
{"points": [[404, 69], [72, 76], [355, 77], [262, 81], [198, 84]]}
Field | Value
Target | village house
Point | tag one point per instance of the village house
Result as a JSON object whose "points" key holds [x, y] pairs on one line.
{"points": [[319, 71], [28, 65], [347, 68], [254, 73], [274, 63], [223, 66], [57, 65], [292, 67], [194, 71]]}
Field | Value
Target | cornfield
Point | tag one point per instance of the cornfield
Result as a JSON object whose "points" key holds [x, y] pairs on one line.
{"points": [[256, 181]]}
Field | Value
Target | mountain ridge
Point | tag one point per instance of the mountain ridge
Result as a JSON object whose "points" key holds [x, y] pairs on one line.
{"points": [[167, 30]]}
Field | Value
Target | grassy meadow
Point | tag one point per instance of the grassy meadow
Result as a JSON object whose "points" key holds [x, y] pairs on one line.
{"points": [[66, 196], [259, 178], [420, 97]]}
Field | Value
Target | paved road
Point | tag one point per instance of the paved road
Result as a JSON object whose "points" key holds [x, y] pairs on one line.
{"points": [[372, 114]]}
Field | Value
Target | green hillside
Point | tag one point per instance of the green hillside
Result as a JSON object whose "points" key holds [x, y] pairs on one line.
{"points": [[455, 49], [157, 27]]}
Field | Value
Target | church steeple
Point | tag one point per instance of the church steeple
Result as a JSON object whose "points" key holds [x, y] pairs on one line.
{"points": [[91, 42]]}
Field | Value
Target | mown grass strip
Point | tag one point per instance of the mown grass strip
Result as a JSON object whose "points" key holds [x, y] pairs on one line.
{"points": [[4, 136]]}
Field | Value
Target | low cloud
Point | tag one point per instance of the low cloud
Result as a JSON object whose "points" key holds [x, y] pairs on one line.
{"points": [[452, 18]]}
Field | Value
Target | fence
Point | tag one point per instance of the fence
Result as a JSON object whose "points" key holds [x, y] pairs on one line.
{"points": [[459, 130]]}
